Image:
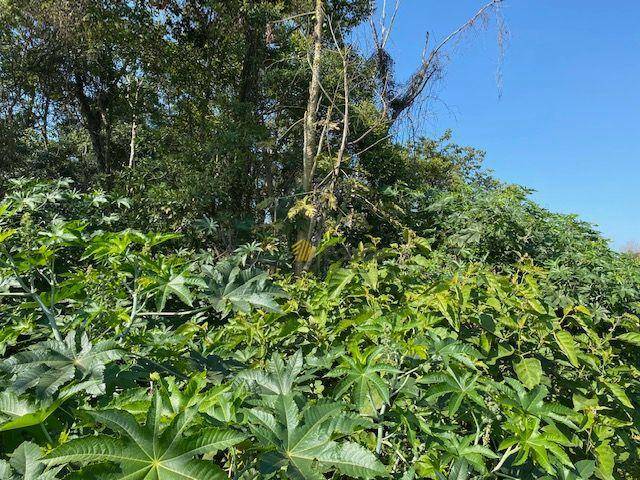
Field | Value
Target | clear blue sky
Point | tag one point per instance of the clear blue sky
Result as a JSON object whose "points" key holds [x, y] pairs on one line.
{"points": [[568, 121]]}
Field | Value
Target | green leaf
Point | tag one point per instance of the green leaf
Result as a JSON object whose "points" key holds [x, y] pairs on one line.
{"points": [[631, 337], [494, 303], [303, 442], [229, 287], [459, 470], [537, 306], [25, 461], [75, 362], [149, 451], [619, 393], [606, 461], [363, 376], [337, 279], [529, 371], [5, 469], [356, 461], [568, 346], [16, 413], [174, 285], [6, 234], [211, 440]]}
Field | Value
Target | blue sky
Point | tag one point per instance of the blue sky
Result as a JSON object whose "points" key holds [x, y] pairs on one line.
{"points": [[568, 121]]}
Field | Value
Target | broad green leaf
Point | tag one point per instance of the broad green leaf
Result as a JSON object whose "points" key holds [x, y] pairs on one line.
{"points": [[229, 287], [631, 337], [356, 461], [6, 234], [494, 303], [605, 461], [619, 393], [529, 371], [537, 306], [25, 461], [75, 362], [150, 450], [302, 442], [363, 377], [16, 413], [568, 346], [337, 280]]}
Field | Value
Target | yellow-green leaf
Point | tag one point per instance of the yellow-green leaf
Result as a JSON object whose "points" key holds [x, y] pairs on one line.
{"points": [[537, 306], [529, 371], [495, 303], [568, 346], [619, 393], [631, 337], [6, 234], [606, 461]]}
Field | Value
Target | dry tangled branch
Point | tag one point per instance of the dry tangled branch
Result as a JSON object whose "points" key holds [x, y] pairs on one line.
{"points": [[397, 100]]}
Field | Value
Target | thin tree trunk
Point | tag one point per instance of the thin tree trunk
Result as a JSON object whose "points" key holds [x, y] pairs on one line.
{"points": [[106, 140], [132, 144], [310, 123], [93, 121], [345, 122], [133, 104], [45, 123]]}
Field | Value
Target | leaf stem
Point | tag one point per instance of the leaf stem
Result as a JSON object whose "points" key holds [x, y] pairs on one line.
{"points": [[174, 314], [34, 295], [46, 434]]}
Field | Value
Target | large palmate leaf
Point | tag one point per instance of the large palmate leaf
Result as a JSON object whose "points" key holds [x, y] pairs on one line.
{"points": [[25, 464], [151, 450], [463, 449], [457, 386], [363, 377], [517, 401], [16, 412], [167, 279], [543, 445], [279, 377], [448, 349], [48, 366], [302, 444], [583, 470], [231, 288]]}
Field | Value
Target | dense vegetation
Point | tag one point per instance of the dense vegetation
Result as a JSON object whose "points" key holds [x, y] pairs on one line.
{"points": [[217, 261]]}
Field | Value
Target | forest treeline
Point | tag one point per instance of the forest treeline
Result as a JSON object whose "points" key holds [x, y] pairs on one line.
{"points": [[225, 255], [241, 111]]}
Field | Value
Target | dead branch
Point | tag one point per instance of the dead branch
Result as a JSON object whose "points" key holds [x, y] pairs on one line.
{"points": [[345, 120], [430, 69]]}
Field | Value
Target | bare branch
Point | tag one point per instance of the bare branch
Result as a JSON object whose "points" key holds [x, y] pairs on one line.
{"points": [[429, 70], [345, 121]]}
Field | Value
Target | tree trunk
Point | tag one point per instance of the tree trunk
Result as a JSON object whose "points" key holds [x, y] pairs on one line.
{"points": [[310, 124], [132, 144], [133, 104], [310, 117], [94, 123], [248, 112]]}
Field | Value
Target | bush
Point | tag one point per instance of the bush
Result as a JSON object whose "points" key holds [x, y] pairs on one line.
{"points": [[126, 356]]}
